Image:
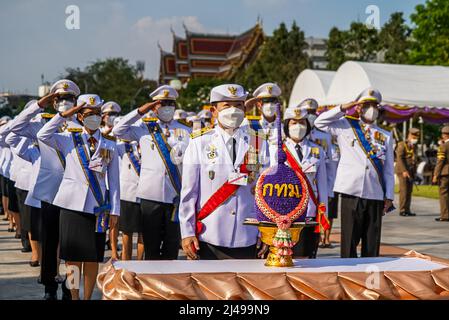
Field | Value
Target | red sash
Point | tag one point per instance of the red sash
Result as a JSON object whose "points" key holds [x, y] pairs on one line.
{"points": [[320, 217], [216, 200]]}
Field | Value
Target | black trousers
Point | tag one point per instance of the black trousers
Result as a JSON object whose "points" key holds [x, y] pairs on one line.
{"points": [[24, 216], [49, 243], [161, 236], [210, 252], [361, 219], [307, 245]]}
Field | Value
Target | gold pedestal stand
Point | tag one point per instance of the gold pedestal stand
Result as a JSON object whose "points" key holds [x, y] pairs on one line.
{"points": [[268, 231]]}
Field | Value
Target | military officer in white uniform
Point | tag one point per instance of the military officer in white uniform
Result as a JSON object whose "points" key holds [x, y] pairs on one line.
{"points": [[311, 158], [365, 174], [220, 170], [330, 147], [131, 215], [109, 112], [162, 142], [49, 172], [265, 98], [89, 194]]}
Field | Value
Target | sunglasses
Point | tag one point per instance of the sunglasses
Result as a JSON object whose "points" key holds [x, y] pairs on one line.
{"points": [[270, 100], [167, 103]]}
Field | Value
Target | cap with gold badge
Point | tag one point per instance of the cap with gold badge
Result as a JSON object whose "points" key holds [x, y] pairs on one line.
{"points": [[445, 130], [90, 100], [65, 86], [164, 92], [228, 92], [308, 104], [295, 113], [369, 94], [111, 107]]}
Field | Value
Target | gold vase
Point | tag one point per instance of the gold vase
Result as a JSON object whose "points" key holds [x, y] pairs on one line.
{"points": [[267, 235]]}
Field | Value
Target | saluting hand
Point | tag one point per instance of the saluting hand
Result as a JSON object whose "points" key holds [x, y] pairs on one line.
{"points": [[350, 105], [46, 100], [72, 110], [190, 245], [149, 106]]}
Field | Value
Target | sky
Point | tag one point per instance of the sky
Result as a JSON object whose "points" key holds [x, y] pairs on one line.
{"points": [[35, 40]]}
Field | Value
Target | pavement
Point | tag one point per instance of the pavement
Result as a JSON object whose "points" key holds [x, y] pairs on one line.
{"points": [[399, 234]]}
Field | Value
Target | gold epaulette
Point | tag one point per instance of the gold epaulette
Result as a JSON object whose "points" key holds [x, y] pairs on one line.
{"points": [[184, 122], [351, 117], [149, 119], [75, 129], [109, 137], [47, 115], [253, 117], [199, 133], [123, 140]]}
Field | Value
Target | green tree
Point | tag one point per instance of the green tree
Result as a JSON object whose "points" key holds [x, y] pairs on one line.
{"points": [[280, 60], [394, 39], [113, 79], [359, 43], [335, 52], [431, 33], [196, 93]]}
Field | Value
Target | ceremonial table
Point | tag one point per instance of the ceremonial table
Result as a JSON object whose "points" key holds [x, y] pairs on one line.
{"points": [[363, 278]]}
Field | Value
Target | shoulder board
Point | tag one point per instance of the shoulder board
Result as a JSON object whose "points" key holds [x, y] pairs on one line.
{"points": [[149, 119], [74, 129], [185, 123], [47, 115], [352, 118], [123, 140], [108, 137], [199, 133], [253, 117]]}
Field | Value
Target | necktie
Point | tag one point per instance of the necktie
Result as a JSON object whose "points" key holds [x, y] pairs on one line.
{"points": [[92, 145], [299, 152], [234, 151]]}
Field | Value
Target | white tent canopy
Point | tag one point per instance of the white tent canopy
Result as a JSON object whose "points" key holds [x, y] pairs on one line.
{"points": [[311, 84], [399, 84]]}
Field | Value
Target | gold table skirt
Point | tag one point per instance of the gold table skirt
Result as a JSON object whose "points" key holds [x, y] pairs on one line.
{"points": [[122, 284]]}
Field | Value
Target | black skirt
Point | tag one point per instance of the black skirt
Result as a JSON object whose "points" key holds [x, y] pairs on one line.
{"points": [[13, 204], [2, 185], [77, 237], [130, 219]]}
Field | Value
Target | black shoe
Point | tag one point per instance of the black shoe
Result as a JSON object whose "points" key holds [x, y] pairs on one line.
{"points": [[18, 236], [34, 264], [25, 250], [404, 214], [66, 294], [440, 219], [410, 214], [50, 296]]}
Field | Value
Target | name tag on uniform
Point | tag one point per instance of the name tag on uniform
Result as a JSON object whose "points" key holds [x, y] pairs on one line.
{"points": [[237, 178]]}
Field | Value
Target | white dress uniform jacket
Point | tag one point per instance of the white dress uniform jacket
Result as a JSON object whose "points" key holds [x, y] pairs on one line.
{"points": [[154, 182], [314, 166], [324, 140], [129, 178], [29, 156], [207, 166], [356, 175], [51, 166], [74, 192], [7, 155]]}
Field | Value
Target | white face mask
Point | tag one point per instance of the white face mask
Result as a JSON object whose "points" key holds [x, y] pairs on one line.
{"points": [[269, 109], [312, 118], [110, 120], [370, 114], [166, 113], [297, 131], [414, 141], [92, 122], [64, 105], [231, 117]]}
